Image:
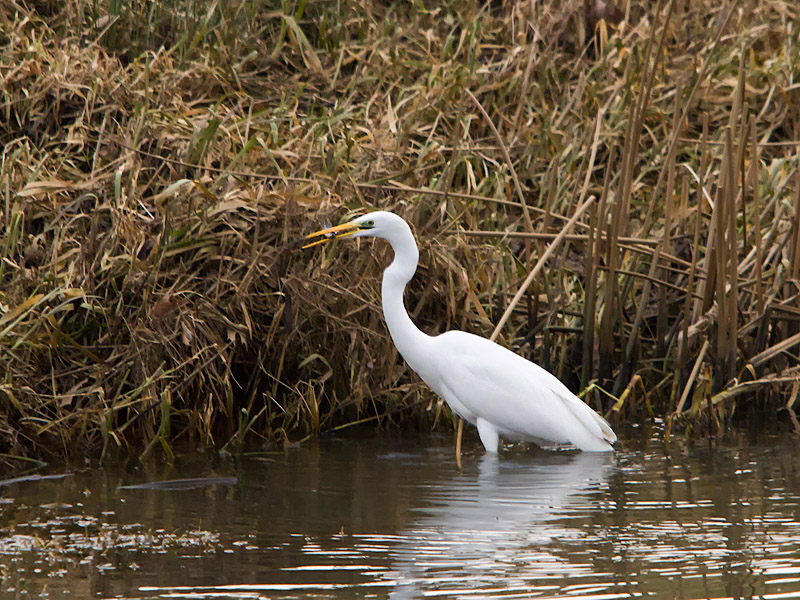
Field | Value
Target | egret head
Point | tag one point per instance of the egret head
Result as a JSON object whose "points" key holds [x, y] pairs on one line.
{"points": [[380, 224]]}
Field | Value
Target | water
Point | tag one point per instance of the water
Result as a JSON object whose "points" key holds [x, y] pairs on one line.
{"points": [[378, 518]]}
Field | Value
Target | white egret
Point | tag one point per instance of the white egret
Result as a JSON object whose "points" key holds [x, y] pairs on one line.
{"points": [[500, 392]]}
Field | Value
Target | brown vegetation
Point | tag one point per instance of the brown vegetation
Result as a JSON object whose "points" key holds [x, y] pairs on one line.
{"points": [[159, 160]]}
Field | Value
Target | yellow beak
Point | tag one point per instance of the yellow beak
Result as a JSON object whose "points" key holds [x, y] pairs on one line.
{"points": [[331, 233]]}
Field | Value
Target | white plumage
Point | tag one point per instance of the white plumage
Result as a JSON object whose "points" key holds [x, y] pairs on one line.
{"points": [[503, 394]]}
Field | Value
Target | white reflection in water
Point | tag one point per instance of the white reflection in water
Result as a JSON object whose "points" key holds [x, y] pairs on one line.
{"points": [[494, 526]]}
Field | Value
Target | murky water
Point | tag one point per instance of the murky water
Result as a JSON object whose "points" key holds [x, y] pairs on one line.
{"points": [[396, 519]]}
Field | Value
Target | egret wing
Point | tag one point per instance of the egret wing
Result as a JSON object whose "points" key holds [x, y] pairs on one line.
{"points": [[481, 379]]}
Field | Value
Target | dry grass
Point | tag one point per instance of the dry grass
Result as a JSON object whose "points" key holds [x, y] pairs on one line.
{"points": [[159, 159]]}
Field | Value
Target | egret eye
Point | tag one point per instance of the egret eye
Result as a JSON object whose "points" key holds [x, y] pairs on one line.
{"points": [[367, 224]]}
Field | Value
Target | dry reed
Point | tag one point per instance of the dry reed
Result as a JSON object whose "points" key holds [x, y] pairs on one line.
{"points": [[159, 163]]}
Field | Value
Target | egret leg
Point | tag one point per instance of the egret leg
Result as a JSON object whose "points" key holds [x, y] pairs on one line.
{"points": [[458, 441], [489, 435]]}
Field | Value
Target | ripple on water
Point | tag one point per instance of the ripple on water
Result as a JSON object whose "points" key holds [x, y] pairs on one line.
{"points": [[364, 519]]}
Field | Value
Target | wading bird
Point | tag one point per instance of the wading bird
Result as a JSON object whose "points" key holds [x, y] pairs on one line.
{"points": [[500, 392]]}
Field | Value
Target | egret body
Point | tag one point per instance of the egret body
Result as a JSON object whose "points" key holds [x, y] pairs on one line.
{"points": [[500, 392]]}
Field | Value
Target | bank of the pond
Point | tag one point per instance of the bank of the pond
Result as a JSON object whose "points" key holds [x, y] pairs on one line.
{"points": [[158, 167]]}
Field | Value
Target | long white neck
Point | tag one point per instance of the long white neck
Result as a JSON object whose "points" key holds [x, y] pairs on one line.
{"points": [[410, 341]]}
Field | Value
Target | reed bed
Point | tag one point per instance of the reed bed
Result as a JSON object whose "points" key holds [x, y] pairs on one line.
{"points": [[160, 161]]}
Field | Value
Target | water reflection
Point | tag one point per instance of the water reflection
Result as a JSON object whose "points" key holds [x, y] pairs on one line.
{"points": [[498, 520], [396, 519]]}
